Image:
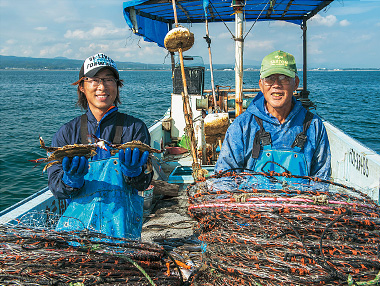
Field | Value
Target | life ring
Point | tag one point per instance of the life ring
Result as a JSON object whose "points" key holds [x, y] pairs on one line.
{"points": [[179, 37]]}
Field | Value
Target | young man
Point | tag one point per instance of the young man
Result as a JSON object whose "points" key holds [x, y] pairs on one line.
{"points": [[276, 129], [103, 193]]}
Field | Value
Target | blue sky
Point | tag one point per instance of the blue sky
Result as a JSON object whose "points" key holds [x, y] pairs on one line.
{"points": [[346, 34]]}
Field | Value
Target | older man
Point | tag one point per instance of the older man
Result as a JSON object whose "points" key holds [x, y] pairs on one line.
{"points": [[103, 192], [276, 133]]}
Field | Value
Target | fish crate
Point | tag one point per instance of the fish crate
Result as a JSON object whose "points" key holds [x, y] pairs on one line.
{"points": [[183, 174], [195, 77]]}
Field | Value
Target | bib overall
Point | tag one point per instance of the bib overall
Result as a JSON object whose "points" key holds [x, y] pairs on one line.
{"points": [[291, 160], [105, 204]]}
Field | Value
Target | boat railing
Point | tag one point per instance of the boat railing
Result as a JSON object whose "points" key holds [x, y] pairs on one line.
{"points": [[226, 98]]}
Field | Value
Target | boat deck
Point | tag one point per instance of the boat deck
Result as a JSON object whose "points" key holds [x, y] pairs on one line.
{"points": [[168, 216], [168, 219]]}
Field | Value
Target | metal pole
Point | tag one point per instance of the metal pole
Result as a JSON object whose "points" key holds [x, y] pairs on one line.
{"points": [[211, 68], [239, 44], [304, 43]]}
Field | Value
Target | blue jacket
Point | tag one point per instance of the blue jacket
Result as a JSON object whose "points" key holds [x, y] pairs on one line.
{"points": [[236, 151], [69, 133]]}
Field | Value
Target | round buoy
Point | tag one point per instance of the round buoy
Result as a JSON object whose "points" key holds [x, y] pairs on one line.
{"points": [[179, 37]]}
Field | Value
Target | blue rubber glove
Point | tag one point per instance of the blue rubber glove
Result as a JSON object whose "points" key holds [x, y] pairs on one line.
{"points": [[74, 171], [131, 162]]}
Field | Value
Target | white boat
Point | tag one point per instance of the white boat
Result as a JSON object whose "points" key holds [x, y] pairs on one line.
{"points": [[353, 164]]}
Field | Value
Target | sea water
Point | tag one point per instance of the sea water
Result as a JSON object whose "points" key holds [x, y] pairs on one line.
{"points": [[37, 103]]}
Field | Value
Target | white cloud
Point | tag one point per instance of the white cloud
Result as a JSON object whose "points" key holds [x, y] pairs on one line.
{"points": [[281, 24], [344, 23], [224, 36], [103, 32], [318, 37], [96, 48], [67, 53], [314, 50], [97, 32], [319, 20], [350, 9], [259, 45], [149, 50], [53, 50], [364, 38], [76, 34], [77, 29]]}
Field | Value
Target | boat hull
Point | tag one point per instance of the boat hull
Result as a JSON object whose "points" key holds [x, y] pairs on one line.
{"points": [[36, 210], [352, 163]]}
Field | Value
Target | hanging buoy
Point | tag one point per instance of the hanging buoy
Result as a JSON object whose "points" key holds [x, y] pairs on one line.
{"points": [[216, 125], [179, 37]]}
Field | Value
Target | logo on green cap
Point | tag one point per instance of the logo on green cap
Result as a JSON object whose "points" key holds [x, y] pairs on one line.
{"points": [[278, 62]]}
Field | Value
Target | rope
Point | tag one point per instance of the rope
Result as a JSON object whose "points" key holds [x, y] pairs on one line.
{"points": [[262, 228], [47, 257], [257, 19], [222, 20]]}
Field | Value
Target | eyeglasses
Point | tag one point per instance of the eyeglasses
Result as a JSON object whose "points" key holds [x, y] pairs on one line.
{"points": [[96, 81], [281, 79]]}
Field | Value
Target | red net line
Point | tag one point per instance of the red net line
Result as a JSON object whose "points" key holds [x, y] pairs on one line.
{"points": [[262, 229], [40, 257]]}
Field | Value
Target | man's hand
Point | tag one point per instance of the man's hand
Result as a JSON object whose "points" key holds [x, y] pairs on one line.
{"points": [[131, 162], [74, 171]]}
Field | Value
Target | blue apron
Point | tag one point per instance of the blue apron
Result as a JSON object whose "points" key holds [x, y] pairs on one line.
{"points": [[281, 160], [105, 204], [291, 160]]}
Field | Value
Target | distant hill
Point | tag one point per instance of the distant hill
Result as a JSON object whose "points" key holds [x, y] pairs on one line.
{"points": [[11, 62], [61, 63]]}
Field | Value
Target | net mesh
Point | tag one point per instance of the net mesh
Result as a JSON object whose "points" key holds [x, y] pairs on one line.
{"points": [[250, 229], [31, 254], [278, 229]]}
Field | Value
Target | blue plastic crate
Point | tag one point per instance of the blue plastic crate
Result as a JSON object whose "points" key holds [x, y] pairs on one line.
{"points": [[183, 174]]}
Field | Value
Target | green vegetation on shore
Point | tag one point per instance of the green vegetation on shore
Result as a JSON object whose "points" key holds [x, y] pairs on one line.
{"points": [[60, 63], [12, 62]]}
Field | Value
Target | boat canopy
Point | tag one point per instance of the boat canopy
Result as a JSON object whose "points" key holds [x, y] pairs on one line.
{"points": [[152, 19]]}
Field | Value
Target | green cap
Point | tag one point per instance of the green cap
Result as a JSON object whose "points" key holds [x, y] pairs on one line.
{"points": [[278, 62]]}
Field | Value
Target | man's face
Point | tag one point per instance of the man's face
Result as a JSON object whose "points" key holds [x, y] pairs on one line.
{"points": [[101, 94], [278, 90]]}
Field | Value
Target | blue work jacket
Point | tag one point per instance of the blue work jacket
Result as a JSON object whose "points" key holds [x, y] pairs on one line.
{"points": [[69, 133], [236, 151]]}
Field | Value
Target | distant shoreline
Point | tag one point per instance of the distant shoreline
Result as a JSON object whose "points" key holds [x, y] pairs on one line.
{"points": [[77, 70], [122, 70], [63, 64]]}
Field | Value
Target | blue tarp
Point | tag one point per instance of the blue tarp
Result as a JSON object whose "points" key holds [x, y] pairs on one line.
{"points": [[155, 17]]}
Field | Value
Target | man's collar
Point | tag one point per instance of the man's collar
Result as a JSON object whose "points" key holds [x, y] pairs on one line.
{"points": [[91, 116]]}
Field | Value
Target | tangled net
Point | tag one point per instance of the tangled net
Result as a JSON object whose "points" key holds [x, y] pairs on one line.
{"points": [[278, 229], [42, 256]]}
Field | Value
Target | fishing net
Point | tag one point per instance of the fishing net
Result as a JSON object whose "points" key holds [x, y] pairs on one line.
{"points": [[251, 229], [278, 229], [35, 255]]}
